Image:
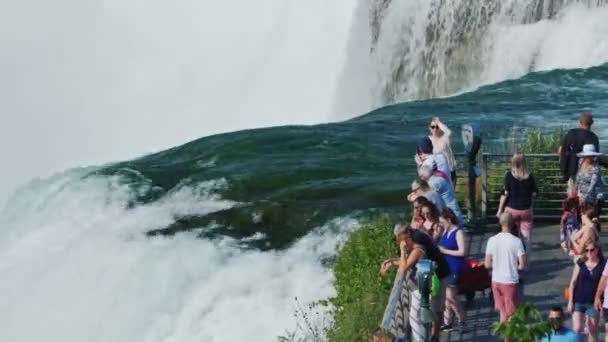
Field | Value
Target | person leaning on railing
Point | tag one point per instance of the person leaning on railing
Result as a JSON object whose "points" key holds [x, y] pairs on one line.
{"points": [[443, 188], [422, 188], [415, 246]]}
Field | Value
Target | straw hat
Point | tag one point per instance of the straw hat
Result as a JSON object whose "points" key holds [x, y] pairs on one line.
{"points": [[588, 151]]}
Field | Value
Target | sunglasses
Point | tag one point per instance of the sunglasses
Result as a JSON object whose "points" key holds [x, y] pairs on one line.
{"points": [[433, 127], [590, 250]]}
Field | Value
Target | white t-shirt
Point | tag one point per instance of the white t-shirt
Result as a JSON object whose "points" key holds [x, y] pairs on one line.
{"points": [[505, 249]]}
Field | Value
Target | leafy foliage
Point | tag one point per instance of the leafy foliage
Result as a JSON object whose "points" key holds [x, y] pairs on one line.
{"points": [[361, 292], [539, 141], [526, 325]]}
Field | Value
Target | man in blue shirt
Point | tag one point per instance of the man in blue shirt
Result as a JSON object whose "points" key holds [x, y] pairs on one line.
{"points": [[560, 333]]}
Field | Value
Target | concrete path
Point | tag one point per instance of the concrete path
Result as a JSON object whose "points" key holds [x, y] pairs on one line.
{"points": [[549, 274]]}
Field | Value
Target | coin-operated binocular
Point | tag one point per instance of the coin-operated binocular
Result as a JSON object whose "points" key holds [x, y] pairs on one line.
{"points": [[424, 275], [471, 138]]}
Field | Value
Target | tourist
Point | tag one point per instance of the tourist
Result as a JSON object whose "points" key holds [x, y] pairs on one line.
{"points": [[589, 183], [416, 245], [443, 188], [587, 234], [506, 257], [417, 217], [559, 333], [602, 305], [572, 144], [431, 223], [440, 137], [518, 195], [583, 287], [422, 188], [569, 223], [437, 162], [452, 246]]}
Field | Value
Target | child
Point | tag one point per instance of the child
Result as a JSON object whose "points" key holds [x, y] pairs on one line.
{"points": [[569, 223], [586, 234]]}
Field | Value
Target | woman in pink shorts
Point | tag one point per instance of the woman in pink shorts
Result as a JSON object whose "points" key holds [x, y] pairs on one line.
{"points": [[518, 197]]}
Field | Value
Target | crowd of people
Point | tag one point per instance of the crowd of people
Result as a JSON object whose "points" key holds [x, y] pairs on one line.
{"points": [[435, 232]]}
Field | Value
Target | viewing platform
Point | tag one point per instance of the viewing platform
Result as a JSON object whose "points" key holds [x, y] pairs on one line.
{"points": [[544, 283]]}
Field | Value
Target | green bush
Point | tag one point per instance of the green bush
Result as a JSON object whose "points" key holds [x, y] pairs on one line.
{"points": [[362, 294], [526, 325], [539, 141]]}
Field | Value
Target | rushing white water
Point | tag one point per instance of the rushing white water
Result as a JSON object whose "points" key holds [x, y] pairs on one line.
{"points": [[437, 48], [85, 82], [79, 268], [88, 81], [573, 40]]}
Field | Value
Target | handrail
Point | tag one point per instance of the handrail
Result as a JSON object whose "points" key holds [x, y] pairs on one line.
{"points": [[545, 166], [527, 154]]}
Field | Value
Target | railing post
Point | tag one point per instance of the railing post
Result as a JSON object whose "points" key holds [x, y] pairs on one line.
{"points": [[426, 315], [484, 187]]}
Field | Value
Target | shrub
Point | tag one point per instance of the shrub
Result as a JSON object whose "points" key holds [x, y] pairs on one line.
{"points": [[362, 293], [526, 325]]}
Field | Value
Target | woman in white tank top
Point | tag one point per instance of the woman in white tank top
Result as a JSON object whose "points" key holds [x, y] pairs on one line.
{"points": [[440, 136]]}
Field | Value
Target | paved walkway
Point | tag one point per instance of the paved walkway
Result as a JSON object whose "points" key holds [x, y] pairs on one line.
{"points": [[549, 274]]}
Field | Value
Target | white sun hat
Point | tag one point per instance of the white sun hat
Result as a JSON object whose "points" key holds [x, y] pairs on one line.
{"points": [[588, 151]]}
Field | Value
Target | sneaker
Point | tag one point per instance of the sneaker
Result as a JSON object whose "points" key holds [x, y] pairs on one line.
{"points": [[447, 327]]}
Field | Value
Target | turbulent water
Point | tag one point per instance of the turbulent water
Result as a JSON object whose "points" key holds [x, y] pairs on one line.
{"points": [[422, 49], [90, 81], [213, 240]]}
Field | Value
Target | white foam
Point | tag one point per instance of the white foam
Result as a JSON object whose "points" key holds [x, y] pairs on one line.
{"points": [[87, 82], [77, 267], [576, 39], [508, 44]]}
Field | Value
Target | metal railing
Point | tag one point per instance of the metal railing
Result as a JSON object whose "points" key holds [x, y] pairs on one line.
{"points": [[543, 166]]}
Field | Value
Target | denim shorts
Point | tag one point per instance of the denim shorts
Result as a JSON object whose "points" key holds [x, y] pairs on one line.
{"points": [[453, 280], [587, 309]]}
